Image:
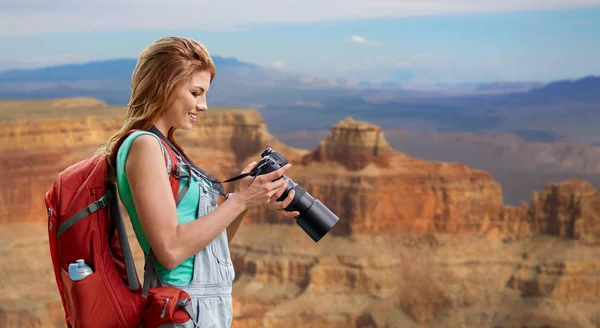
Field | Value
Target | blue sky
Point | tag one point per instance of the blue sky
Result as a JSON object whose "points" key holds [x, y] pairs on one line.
{"points": [[419, 42]]}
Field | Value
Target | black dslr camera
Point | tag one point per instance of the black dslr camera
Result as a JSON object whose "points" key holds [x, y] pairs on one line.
{"points": [[315, 218]]}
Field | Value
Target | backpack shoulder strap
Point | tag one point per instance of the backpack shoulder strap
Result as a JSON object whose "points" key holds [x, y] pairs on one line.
{"points": [[174, 166], [175, 170]]}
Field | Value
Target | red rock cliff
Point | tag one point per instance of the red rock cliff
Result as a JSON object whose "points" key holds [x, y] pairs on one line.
{"points": [[418, 243], [375, 189], [45, 137], [354, 145], [569, 209]]}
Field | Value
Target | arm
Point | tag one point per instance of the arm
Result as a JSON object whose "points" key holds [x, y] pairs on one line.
{"points": [[233, 227], [273, 205], [173, 243]]}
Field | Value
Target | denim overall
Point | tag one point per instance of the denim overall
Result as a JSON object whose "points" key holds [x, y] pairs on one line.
{"points": [[211, 285], [212, 279], [213, 275]]}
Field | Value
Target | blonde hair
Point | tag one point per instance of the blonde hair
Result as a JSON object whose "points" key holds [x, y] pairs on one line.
{"points": [[161, 69]]}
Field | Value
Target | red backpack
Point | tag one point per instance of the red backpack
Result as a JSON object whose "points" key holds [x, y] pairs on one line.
{"points": [[85, 222]]}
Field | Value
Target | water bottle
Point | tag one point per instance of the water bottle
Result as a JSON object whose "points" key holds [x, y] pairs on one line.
{"points": [[79, 270]]}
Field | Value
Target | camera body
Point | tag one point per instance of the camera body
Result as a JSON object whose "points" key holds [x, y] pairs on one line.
{"points": [[315, 218]]}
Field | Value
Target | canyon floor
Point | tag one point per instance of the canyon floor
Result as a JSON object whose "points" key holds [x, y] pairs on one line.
{"points": [[284, 279]]}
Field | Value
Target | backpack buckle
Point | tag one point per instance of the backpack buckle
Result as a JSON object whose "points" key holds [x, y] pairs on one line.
{"points": [[179, 172]]}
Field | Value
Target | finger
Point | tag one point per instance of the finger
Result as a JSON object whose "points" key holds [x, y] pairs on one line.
{"points": [[281, 190], [288, 199], [267, 202], [289, 214], [275, 186], [271, 194], [249, 167], [277, 173]]}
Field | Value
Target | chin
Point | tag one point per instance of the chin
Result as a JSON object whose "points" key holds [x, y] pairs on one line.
{"points": [[186, 127]]}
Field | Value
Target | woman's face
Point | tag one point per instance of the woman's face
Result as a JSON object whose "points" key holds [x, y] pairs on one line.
{"points": [[190, 100]]}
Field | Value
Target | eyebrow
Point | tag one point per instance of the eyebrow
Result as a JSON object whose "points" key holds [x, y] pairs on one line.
{"points": [[199, 87]]}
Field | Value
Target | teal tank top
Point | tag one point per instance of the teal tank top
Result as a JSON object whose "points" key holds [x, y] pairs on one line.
{"points": [[186, 212]]}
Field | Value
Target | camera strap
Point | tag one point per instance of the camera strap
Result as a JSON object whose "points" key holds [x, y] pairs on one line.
{"points": [[257, 171], [217, 185], [198, 171]]}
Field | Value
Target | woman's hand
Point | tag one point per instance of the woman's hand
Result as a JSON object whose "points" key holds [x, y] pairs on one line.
{"points": [[280, 206], [245, 182], [258, 191]]}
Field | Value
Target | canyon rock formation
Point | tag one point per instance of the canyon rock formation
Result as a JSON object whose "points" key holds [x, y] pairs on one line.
{"points": [[419, 243]]}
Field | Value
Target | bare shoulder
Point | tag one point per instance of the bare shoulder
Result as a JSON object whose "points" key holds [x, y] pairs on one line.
{"points": [[145, 152], [146, 142]]}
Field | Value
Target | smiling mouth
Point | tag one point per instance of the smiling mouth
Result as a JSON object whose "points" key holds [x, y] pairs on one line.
{"points": [[193, 116]]}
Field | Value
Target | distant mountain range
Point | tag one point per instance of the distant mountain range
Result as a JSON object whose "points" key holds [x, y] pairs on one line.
{"points": [[585, 89], [104, 77], [238, 83], [121, 69], [288, 101]]}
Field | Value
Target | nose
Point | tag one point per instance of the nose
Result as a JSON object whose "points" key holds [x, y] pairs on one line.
{"points": [[201, 106]]}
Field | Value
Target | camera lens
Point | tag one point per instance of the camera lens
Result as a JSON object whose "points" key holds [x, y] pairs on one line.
{"points": [[317, 220]]}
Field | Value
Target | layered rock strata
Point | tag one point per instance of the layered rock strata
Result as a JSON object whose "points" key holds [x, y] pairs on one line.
{"points": [[354, 145], [419, 243], [36, 148]]}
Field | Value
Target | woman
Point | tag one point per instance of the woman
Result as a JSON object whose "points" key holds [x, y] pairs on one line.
{"points": [[189, 240]]}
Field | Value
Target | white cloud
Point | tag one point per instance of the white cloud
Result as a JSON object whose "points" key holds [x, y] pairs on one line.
{"points": [[22, 17], [360, 40], [278, 64]]}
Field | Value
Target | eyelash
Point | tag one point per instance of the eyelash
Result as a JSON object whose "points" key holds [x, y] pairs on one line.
{"points": [[196, 94]]}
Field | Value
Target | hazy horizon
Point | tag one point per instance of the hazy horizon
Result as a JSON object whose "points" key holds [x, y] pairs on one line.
{"points": [[410, 43]]}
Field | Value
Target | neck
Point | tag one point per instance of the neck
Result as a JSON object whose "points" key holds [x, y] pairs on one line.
{"points": [[162, 127]]}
